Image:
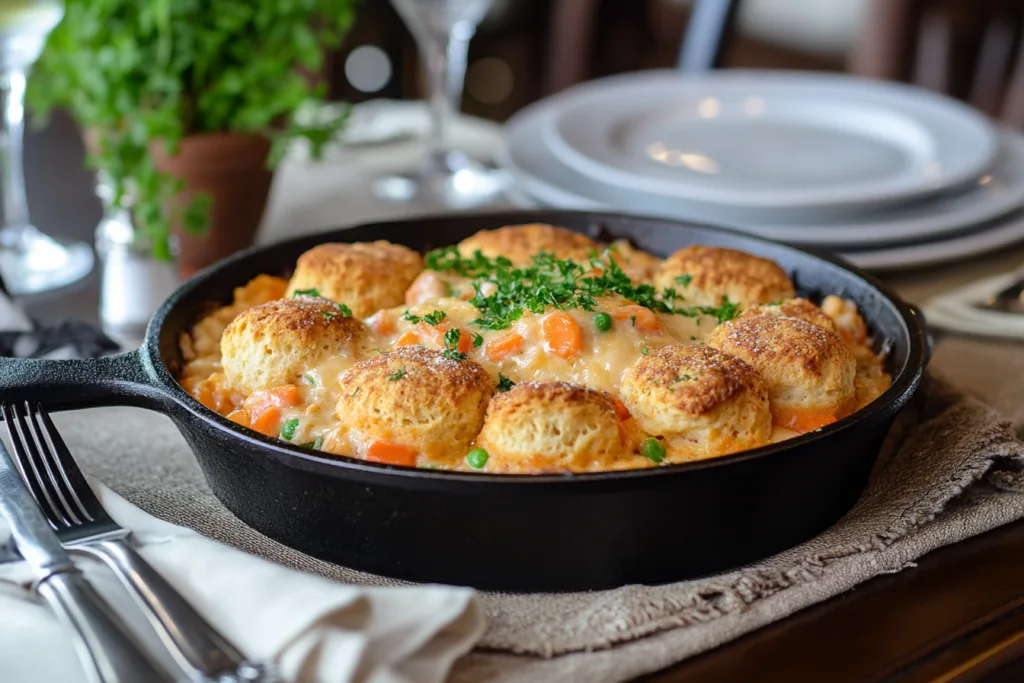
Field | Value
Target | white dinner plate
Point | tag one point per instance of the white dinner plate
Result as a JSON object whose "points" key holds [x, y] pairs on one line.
{"points": [[540, 175], [769, 140], [1002, 233]]}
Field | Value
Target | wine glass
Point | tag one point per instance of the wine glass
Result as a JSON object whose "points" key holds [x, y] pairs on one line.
{"points": [[442, 30], [30, 261]]}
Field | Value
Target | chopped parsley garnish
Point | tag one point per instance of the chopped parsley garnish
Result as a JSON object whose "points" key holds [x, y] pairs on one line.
{"points": [[309, 379], [328, 315], [693, 338], [411, 318], [680, 378], [685, 279], [353, 394], [451, 345], [435, 318], [645, 350], [549, 282], [397, 375], [345, 311], [632, 319], [448, 259], [306, 292], [478, 340], [504, 383], [726, 312]]}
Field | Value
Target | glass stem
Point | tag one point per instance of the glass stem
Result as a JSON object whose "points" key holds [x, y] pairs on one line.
{"points": [[12, 175], [445, 59]]}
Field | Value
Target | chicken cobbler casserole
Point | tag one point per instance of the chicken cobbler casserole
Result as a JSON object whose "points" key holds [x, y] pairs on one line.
{"points": [[531, 349]]}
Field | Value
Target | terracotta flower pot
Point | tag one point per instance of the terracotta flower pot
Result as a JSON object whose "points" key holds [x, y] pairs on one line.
{"points": [[232, 169]]}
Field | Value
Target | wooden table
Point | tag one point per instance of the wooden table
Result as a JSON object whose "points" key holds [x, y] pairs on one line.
{"points": [[957, 617]]}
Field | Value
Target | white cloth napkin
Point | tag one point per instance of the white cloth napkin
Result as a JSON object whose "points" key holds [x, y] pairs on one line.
{"points": [[957, 310], [314, 629]]}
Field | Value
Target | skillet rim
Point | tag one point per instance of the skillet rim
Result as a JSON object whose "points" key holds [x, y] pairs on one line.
{"points": [[894, 398]]}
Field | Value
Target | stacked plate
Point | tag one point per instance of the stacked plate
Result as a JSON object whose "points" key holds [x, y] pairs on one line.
{"points": [[890, 176]]}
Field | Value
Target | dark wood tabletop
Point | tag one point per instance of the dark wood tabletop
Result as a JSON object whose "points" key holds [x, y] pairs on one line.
{"points": [[956, 617]]}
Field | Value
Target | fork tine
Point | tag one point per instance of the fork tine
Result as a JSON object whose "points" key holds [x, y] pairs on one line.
{"points": [[77, 488], [58, 483], [29, 463]]}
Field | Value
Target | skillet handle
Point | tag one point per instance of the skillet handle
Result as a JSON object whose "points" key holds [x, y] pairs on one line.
{"points": [[124, 379]]}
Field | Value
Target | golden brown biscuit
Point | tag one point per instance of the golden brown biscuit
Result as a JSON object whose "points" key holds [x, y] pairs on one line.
{"points": [[552, 426], [808, 370], [704, 275], [703, 402], [794, 308], [276, 342], [417, 398], [365, 276], [519, 243]]}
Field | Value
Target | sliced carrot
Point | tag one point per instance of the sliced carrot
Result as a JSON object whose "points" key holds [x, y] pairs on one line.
{"points": [[504, 346], [410, 338], [382, 322], [286, 395], [212, 393], [436, 333], [391, 453], [264, 407], [267, 421], [646, 319], [621, 411], [240, 416], [562, 334], [803, 421]]}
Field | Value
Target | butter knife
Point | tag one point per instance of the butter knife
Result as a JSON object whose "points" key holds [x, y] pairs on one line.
{"points": [[108, 651]]}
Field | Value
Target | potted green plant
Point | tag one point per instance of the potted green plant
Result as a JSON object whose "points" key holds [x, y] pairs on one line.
{"points": [[188, 104]]}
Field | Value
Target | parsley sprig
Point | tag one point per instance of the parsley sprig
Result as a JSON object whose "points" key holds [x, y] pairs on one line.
{"points": [[551, 282], [451, 344]]}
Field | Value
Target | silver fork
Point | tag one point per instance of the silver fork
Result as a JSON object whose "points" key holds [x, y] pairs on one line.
{"points": [[83, 525]]}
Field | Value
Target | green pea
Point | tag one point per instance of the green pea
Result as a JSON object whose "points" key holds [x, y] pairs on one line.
{"points": [[477, 458], [288, 430], [603, 322], [653, 450]]}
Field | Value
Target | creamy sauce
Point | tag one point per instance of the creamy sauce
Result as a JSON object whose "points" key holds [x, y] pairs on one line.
{"points": [[599, 362]]}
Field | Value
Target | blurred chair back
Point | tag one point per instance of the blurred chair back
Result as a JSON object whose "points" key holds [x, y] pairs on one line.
{"points": [[970, 49]]}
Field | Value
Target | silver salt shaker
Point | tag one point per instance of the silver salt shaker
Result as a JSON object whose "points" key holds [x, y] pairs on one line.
{"points": [[133, 283]]}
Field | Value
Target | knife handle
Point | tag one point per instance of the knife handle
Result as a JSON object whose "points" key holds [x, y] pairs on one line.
{"points": [[109, 652], [185, 632]]}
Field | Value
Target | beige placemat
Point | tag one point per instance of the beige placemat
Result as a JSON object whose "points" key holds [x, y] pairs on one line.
{"points": [[949, 471]]}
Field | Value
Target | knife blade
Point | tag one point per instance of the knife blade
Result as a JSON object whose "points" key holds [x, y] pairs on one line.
{"points": [[31, 533], [108, 651]]}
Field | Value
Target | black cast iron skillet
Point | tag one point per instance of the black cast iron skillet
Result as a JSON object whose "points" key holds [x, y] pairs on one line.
{"points": [[505, 532]]}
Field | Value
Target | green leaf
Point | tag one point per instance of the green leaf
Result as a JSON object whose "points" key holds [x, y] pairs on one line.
{"points": [[143, 71]]}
